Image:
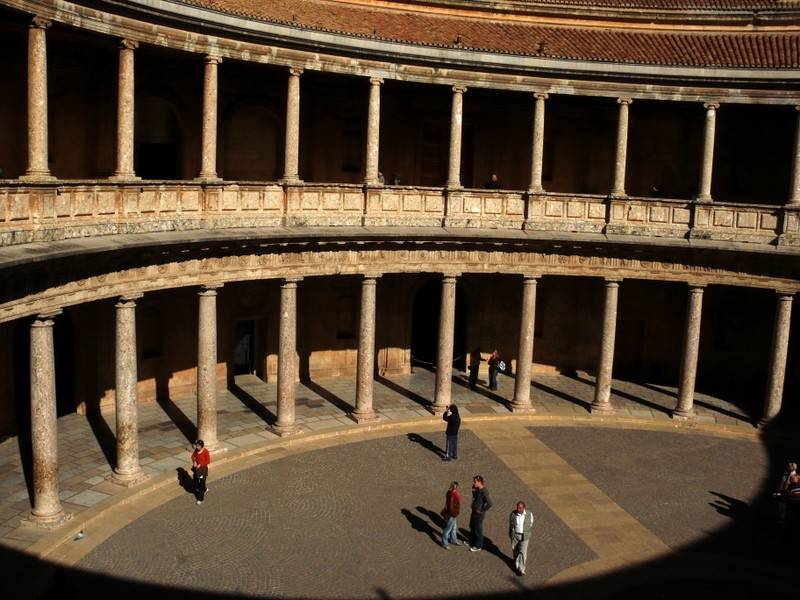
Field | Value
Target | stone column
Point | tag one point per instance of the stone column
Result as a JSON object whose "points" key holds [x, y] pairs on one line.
{"points": [[456, 122], [777, 363], [538, 145], [622, 148], [125, 112], [691, 346], [522, 383], [287, 359], [373, 131], [602, 389], [444, 358], [207, 366], [208, 167], [292, 160], [46, 509], [794, 199], [128, 471], [708, 151], [366, 353], [38, 167]]}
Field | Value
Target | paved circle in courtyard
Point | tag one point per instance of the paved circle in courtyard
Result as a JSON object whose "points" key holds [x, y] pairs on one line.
{"points": [[361, 520]]}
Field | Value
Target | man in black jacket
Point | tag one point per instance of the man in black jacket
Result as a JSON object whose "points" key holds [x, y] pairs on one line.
{"points": [[481, 502], [451, 433]]}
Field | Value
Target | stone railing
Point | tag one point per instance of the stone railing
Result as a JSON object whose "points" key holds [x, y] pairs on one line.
{"points": [[70, 210]]}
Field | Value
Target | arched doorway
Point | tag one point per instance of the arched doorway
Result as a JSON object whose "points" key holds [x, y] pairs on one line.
{"points": [[425, 326]]}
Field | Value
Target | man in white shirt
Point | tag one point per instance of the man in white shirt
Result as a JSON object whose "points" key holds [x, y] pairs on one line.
{"points": [[520, 523]]}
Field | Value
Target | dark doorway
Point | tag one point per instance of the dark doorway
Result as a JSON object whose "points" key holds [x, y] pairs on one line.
{"points": [[434, 151], [425, 326], [157, 161], [244, 348], [628, 348]]}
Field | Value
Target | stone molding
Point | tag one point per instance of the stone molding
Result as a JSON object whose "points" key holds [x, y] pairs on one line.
{"points": [[279, 262]]}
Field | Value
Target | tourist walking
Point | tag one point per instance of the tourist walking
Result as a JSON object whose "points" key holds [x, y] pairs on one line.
{"points": [[451, 433], [481, 502], [520, 522], [201, 458], [450, 512]]}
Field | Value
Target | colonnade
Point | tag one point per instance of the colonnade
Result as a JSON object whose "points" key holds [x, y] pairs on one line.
{"points": [[38, 169], [127, 471]]}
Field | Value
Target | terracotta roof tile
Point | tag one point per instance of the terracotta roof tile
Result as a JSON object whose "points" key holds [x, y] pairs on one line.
{"points": [[740, 48]]}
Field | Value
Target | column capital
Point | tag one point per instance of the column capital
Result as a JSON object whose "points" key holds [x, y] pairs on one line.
{"points": [[611, 281], [376, 80], [47, 317], [531, 277], [459, 89], [372, 276], [126, 44], [212, 59], [209, 289], [290, 281], [697, 286], [541, 95], [711, 105], [450, 276], [295, 71], [787, 294], [129, 299], [40, 23], [624, 101]]}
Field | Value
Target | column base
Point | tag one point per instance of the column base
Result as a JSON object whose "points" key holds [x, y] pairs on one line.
{"points": [[123, 177], [764, 421], [364, 417], [284, 430], [47, 521], [519, 408], [684, 414], [208, 178], [436, 409], [601, 409], [34, 177], [211, 446], [290, 181], [127, 479]]}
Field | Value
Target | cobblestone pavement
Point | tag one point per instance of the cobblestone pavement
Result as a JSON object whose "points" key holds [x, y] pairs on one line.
{"points": [[351, 511]]}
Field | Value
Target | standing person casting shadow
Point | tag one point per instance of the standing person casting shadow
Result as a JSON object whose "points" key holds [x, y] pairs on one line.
{"points": [[453, 420], [201, 458], [475, 361], [520, 523], [495, 365], [450, 512], [481, 502]]}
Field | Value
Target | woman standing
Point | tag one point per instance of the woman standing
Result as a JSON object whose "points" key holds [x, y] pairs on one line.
{"points": [[450, 512]]}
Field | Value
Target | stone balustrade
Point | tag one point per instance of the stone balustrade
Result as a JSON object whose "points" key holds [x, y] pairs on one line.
{"points": [[61, 211]]}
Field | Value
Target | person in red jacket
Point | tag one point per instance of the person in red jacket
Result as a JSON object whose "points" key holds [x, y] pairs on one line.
{"points": [[201, 458], [451, 511]]}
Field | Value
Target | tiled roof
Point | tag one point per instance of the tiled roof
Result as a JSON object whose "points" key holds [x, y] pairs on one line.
{"points": [[741, 47], [660, 5]]}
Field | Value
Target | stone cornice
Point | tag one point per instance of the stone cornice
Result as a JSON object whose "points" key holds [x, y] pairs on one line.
{"points": [[38, 291]]}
